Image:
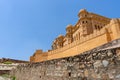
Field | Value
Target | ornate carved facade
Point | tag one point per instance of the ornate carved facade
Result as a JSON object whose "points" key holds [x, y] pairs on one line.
{"points": [[82, 36], [87, 24]]}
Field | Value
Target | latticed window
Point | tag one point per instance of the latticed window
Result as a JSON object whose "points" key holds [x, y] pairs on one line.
{"points": [[79, 35], [95, 26], [83, 22]]}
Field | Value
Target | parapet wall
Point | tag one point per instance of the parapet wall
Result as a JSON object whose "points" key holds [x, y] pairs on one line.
{"points": [[102, 63], [80, 46]]}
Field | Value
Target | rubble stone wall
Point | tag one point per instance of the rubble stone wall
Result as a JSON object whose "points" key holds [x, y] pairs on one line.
{"points": [[101, 63], [4, 72]]}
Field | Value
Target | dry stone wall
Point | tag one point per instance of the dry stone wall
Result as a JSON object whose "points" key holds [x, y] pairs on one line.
{"points": [[102, 63]]}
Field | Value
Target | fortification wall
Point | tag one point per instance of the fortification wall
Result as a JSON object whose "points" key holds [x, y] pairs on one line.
{"points": [[76, 47], [81, 45], [102, 63], [98, 38]]}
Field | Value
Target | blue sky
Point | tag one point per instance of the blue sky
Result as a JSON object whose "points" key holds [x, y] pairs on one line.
{"points": [[27, 25]]}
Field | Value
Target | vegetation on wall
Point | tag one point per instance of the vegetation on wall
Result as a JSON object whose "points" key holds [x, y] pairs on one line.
{"points": [[8, 62]]}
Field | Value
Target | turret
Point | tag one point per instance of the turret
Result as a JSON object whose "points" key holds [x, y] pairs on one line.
{"points": [[58, 42], [82, 13], [115, 28], [69, 32], [85, 21]]}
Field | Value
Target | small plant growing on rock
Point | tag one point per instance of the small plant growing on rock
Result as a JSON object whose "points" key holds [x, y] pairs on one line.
{"points": [[14, 78]]}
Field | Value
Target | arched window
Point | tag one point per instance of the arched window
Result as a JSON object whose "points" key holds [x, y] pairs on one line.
{"points": [[83, 22], [79, 35], [76, 36], [96, 27]]}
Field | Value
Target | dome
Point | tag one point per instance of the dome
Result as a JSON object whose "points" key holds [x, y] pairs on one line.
{"points": [[60, 35], [82, 10], [69, 26]]}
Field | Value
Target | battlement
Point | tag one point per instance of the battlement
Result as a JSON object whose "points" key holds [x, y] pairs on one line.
{"points": [[90, 31]]}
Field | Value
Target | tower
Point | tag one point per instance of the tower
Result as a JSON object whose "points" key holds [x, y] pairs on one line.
{"points": [[58, 42], [85, 22], [69, 32]]}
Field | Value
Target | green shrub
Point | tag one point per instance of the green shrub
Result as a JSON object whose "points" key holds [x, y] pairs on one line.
{"points": [[7, 62], [13, 78]]}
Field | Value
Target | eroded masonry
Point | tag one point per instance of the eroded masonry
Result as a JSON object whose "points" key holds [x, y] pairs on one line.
{"points": [[91, 31]]}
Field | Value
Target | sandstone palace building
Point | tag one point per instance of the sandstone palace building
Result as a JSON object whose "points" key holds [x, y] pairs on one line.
{"points": [[91, 30]]}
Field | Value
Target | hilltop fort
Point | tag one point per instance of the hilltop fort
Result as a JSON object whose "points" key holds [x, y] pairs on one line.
{"points": [[91, 30], [90, 50]]}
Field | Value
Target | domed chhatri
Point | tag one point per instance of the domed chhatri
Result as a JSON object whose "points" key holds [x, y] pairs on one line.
{"points": [[60, 35], [82, 10], [69, 26]]}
